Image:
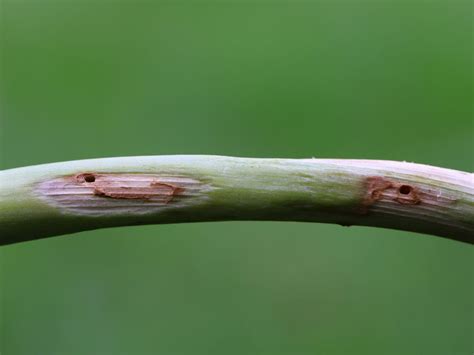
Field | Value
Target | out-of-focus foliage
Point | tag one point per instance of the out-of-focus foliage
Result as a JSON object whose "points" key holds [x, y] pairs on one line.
{"points": [[341, 79]]}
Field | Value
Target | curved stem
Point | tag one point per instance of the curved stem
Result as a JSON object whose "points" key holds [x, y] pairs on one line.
{"points": [[53, 199]]}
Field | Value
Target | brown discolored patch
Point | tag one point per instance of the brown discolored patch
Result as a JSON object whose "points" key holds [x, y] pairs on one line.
{"points": [[176, 190], [124, 187], [95, 194], [378, 188], [375, 186]]}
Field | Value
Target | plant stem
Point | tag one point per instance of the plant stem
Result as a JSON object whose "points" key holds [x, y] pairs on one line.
{"points": [[53, 199]]}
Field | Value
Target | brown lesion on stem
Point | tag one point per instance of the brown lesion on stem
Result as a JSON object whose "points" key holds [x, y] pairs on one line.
{"points": [[375, 186], [380, 188], [98, 193], [125, 186]]}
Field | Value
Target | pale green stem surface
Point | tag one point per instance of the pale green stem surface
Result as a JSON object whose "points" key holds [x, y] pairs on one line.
{"points": [[47, 200]]}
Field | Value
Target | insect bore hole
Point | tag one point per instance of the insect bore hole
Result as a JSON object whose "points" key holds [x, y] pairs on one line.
{"points": [[405, 189], [89, 178]]}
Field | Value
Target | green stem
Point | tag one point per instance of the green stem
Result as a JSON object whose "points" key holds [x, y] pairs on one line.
{"points": [[53, 199]]}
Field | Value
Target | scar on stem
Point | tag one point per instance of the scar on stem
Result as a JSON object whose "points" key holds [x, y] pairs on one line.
{"points": [[104, 186], [378, 187]]}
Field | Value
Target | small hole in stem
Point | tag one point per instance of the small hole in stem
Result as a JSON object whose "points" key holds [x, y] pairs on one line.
{"points": [[405, 189], [89, 178]]}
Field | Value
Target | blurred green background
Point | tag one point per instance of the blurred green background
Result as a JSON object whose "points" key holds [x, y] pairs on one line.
{"points": [[339, 79]]}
